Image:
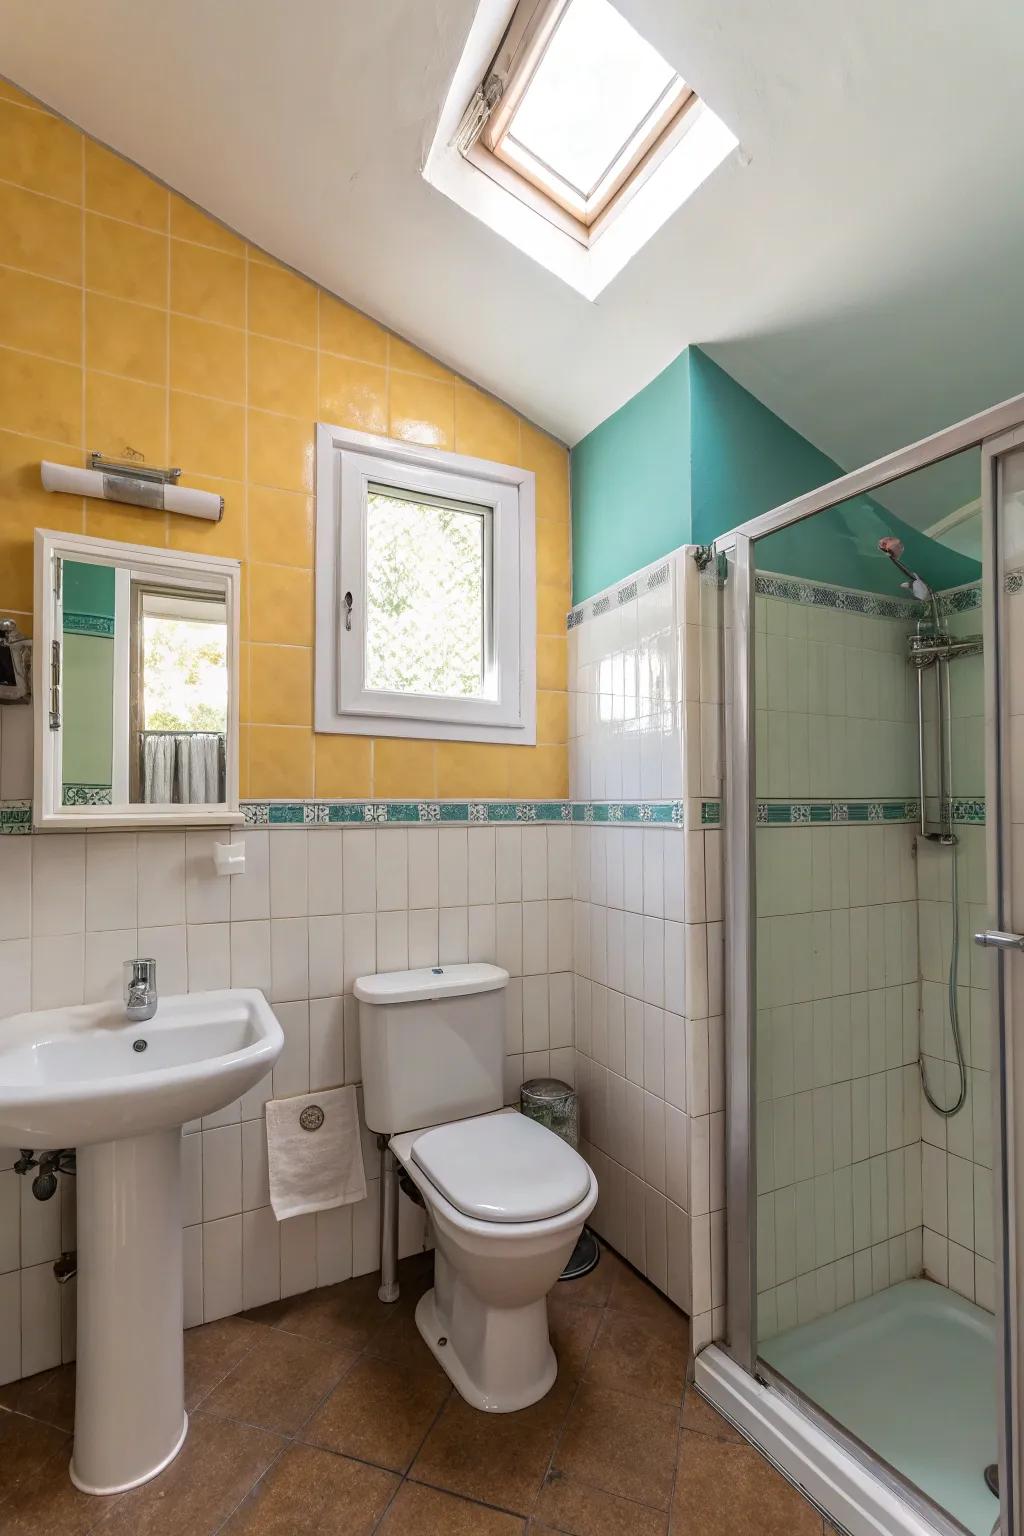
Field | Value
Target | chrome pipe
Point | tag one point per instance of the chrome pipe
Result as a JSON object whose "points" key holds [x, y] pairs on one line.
{"points": [[388, 1288]]}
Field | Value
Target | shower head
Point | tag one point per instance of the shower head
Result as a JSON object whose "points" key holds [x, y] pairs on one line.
{"points": [[892, 547]]}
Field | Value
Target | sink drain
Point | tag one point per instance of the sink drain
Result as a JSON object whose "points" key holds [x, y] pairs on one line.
{"points": [[139, 1045]]}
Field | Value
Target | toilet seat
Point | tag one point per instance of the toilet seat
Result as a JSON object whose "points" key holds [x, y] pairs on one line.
{"points": [[502, 1168]]}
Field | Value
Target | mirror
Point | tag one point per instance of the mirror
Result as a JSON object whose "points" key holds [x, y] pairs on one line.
{"points": [[139, 721]]}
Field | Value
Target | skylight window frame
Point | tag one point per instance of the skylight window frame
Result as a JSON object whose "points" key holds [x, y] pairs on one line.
{"points": [[500, 155]]}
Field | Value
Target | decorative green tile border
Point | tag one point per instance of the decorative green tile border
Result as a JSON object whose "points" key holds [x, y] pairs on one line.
{"points": [[86, 794], [794, 813], [968, 813], [15, 816], [711, 813], [493, 813], [89, 624]]}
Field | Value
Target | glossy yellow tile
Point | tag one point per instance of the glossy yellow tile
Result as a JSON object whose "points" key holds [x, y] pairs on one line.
{"points": [[552, 661], [353, 394], [484, 427], [404, 769], [207, 284], [281, 685], [343, 768], [280, 762], [281, 304], [190, 223], [346, 331], [38, 315], [473, 768], [280, 604], [280, 452], [40, 235], [125, 338], [227, 537], [125, 418], [40, 152], [9, 92], [118, 188], [124, 260], [421, 410], [549, 461], [280, 525], [552, 718], [282, 377], [539, 773], [402, 354], [40, 396], [207, 436], [552, 606], [552, 550], [129, 525], [207, 359]]}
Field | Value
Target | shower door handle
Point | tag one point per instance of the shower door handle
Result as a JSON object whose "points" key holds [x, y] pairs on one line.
{"points": [[994, 938]]}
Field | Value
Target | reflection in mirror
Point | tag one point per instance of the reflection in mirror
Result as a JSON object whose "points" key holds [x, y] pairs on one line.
{"points": [[144, 689]]}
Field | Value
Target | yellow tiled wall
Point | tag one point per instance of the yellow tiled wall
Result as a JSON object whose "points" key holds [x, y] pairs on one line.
{"points": [[129, 320]]}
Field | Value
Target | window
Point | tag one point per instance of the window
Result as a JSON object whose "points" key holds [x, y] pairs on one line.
{"points": [[585, 103], [567, 134], [425, 593]]}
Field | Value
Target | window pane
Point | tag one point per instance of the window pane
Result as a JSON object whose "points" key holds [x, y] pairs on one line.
{"points": [[184, 674], [425, 595], [594, 87]]}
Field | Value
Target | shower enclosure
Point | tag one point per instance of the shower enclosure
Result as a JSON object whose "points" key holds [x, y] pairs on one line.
{"points": [[874, 737]]}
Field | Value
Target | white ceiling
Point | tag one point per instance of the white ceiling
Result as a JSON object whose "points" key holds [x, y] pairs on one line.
{"points": [[858, 264]]}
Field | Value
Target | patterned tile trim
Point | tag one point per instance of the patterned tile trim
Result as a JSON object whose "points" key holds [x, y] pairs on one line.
{"points": [[818, 594], [792, 813], [1013, 581], [89, 624], [970, 813], [86, 794], [711, 813], [15, 816], [647, 580], [492, 813]]}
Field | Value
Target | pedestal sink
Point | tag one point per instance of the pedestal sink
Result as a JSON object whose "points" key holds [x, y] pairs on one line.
{"points": [[120, 1092]]}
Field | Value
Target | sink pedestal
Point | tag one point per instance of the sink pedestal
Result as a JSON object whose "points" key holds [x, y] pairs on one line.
{"points": [[130, 1416]]}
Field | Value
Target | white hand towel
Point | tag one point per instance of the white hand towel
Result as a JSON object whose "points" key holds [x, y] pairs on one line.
{"points": [[316, 1169]]}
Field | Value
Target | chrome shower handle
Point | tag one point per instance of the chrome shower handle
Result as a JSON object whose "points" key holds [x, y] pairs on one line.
{"points": [[995, 938]]}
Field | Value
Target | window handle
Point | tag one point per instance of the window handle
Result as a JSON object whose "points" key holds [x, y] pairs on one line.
{"points": [[348, 610]]}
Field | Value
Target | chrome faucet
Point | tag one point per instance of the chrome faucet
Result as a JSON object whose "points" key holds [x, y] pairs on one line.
{"points": [[140, 997]]}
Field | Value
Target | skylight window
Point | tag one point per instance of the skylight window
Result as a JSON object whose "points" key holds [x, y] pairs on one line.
{"points": [[586, 137], [596, 99]]}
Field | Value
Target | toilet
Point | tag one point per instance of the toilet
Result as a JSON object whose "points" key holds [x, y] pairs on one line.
{"points": [[506, 1197]]}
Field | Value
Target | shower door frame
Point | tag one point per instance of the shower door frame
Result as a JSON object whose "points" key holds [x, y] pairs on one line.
{"points": [[995, 432]]}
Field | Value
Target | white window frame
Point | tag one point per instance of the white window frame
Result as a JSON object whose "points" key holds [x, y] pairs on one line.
{"points": [[347, 464]]}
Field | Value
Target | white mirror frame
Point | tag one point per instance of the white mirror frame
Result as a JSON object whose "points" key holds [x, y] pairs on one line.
{"points": [[162, 565]]}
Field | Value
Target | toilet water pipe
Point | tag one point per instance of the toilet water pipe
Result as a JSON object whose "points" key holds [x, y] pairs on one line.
{"points": [[388, 1289]]}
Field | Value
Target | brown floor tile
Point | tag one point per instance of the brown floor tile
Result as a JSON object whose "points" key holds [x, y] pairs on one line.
{"points": [[621, 1444], [699, 1416], [216, 1468], [643, 1355], [499, 1458], [731, 1490], [568, 1505], [214, 1349], [631, 1293], [380, 1412], [312, 1491], [279, 1383], [49, 1395], [25, 1446], [594, 1289], [399, 1340], [420, 1511], [345, 1315], [573, 1331], [48, 1504]]}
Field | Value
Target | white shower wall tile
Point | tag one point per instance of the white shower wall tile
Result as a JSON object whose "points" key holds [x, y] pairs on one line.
{"points": [[316, 908]]}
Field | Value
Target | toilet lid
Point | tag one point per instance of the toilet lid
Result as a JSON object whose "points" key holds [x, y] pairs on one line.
{"points": [[502, 1167]]}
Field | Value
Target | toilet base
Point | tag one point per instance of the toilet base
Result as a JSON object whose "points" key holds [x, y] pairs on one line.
{"points": [[511, 1339]]}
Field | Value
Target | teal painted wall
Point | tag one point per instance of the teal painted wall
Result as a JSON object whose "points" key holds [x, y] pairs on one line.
{"points": [[631, 484], [89, 588], [744, 460]]}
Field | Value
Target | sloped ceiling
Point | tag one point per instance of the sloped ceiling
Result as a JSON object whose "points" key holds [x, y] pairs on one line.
{"points": [[857, 264]]}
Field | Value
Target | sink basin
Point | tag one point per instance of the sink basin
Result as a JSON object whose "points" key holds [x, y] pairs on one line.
{"points": [[72, 1076], [119, 1092]]}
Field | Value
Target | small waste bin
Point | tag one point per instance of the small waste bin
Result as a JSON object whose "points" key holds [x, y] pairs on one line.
{"points": [[556, 1105]]}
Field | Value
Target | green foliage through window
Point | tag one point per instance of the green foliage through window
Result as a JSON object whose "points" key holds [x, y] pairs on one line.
{"points": [[185, 675]]}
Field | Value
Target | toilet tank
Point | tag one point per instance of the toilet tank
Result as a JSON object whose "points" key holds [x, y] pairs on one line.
{"points": [[432, 1043]]}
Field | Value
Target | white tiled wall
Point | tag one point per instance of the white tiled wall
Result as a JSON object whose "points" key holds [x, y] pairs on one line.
{"points": [[313, 910]]}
